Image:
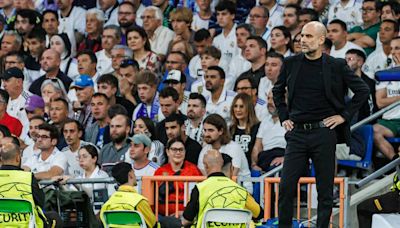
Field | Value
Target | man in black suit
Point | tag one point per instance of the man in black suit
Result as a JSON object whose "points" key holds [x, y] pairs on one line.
{"points": [[315, 117]]}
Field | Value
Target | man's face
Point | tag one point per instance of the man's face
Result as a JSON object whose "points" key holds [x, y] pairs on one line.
{"points": [[175, 62], [200, 46], [257, 19], [13, 61], [150, 23], [179, 26], [241, 37], [8, 43], [336, 34], [34, 128], [180, 87], [386, 32], [195, 109], [369, 12], [35, 46], [44, 142], [290, 19], [119, 129], [311, 40], [99, 107], [319, 5], [58, 112], [173, 130], [64, 4], [22, 25], [207, 60], [168, 106], [272, 68], [253, 51], [137, 151], [244, 86], [11, 84], [117, 55], [204, 5], [211, 133], [84, 94], [129, 73], [304, 19], [6, 3], [106, 4], [107, 89], [71, 133], [395, 49], [146, 92], [213, 81], [22, 4], [49, 61], [225, 18], [50, 24], [271, 105], [92, 24], [85, 65], [126, 16], [108, 39], [353, 61]]}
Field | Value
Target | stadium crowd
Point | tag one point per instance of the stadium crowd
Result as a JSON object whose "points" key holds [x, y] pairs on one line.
{"points": [[158, 84]]}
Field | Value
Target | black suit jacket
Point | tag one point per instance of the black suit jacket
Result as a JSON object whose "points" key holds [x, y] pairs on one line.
{"points": [[337, 78]]}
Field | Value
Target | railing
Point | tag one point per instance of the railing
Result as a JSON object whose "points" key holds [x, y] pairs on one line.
{"points": [[378, 173]]}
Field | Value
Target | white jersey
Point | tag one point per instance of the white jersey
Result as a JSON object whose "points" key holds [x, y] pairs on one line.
{"points": [[341, 53], [227, 44], [223, 105], [56, 158], [237, 66], [376, 61], [104, 63], [392, 90], [199, 23], [160, 40], [75, 21], [272, 134], [350, 13]]}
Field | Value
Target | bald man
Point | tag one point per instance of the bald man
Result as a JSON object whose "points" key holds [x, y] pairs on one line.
{"points": [[50, 63], [316, 117], [214, 193]]}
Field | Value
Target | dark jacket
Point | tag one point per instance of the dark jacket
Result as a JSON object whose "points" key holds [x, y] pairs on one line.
{"points": [[337, 78]]}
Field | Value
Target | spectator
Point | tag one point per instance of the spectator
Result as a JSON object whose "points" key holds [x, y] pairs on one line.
{"points": [[110, 9], [275, 12], [34, 106], [177, 166], [36, 42], [15, 59], [291, 19], [349, 13], [99, 132], [50, 162], [201, 19], [195, 114], [144, 125], [201, 39], [181, 20], [87, 62], [390, 11], [7, 11], [72, 20], [110, 37], [166, 10], [62, 44], [296, 44], [93, 30], [138, 154], [50, 25], [126, 195], [129, 68], [255, 52], [281, 41], [306, 15], [114, 152], [273, 67], [118, 54], [182, 46], [84, 87], [177, 80], [32, 149], [58, 115], [13, 124], [25, 21], [177, 61], [50, 63], [322, 8], [259, 16], [126, 18], [52, 89], [217, 137]]}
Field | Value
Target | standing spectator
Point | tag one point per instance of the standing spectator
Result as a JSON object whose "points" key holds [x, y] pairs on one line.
{"points": [[138, 153], [13, 124], [93, 30], [99, 132], [196, 112], [110, 37]]}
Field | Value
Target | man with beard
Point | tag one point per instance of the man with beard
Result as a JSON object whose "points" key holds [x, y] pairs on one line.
{"points": [[114, 152], [33, 132], [220, 100], [195, 113], [25, 22], [291, 19], [126, 18], [99, 132]]}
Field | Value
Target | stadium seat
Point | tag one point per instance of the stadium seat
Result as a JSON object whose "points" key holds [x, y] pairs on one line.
{"points": [[123, 218], [393, 140], [385, 220], [368, 136], [18, 206], [227, 215]]}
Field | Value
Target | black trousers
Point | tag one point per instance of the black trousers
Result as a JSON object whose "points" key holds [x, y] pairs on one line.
{"points": [[319, 145], [386, 203]]}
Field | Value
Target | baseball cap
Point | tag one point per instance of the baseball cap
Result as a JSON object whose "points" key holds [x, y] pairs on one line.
{"points": [[175, 76], [82, 81], [141, 139], [33, 102], [13, 72]]}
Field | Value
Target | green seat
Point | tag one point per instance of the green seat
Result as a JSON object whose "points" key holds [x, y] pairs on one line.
{"points": [[123, 218]]}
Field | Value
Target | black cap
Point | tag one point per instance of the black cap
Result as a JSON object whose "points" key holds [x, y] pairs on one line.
{"points": [[13, 72]]}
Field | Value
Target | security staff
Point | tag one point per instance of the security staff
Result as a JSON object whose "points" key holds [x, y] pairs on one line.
{"points": [[126, 197], [212, 193], [386, 203], [21, 185]]}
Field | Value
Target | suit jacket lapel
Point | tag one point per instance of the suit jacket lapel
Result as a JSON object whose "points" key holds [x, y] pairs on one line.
{"points": [[292, 78], [326, 76]]}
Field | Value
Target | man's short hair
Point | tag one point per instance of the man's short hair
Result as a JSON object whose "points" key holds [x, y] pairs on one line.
{"points": [[157, 12], [175, 117], [183, 56], [129, 4], [248, 77], [260, 41], [311, 12], [62, 100], [37, 33], [4, 96], [218, 122], [101, 95], [18, 38], [273, 54], [201, 34], [248, 27], [294, 6], [117, 109], [226, 5], [108, 79], [117, 30], [394, 6], [358, 53], [10, 152], [341, 23], [128, 53], [200, 97], [55, 14], [17, 55], [129, 62], [393, 22], [54, 134], [88, 52], [213, 52], [169, 92], [146, 77], [120, 172], [221, 72], [76, 122]]}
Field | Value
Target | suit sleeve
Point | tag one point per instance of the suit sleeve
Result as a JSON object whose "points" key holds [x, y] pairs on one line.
{"points": [[358, 87], [279, 91]]}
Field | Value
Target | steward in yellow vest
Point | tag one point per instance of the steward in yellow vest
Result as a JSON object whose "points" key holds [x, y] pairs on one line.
{"points": [[126, 197], [217, 191]]}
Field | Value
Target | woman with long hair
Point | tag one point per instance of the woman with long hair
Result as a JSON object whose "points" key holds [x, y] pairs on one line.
{"points": [[281, 41], [138, 41], [245, 123]]}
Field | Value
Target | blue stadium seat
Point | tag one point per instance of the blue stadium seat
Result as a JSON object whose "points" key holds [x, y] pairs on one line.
{"points": [[368, 136], [393, 140]]}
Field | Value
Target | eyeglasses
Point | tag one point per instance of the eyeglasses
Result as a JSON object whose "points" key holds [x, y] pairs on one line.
{"points": [[147, 17], [43, 137], [176, 150], [243, 88]]}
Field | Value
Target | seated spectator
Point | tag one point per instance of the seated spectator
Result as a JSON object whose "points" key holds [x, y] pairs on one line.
{"points": [[50, 162], [34, 106], [126, 195], [138, 156], [196, 113], [182, 46], [32, 149], [61, 44], [177, 80], [84, 87], [111, 36], [144, 125], [58, 115], [177, 166], [281, 41], [93, 29], [52, 89], [99, 132], [13, 124], [245, 123]]}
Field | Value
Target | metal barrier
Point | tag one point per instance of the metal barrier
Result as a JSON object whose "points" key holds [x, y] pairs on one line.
{"points": [[268, 182]]}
